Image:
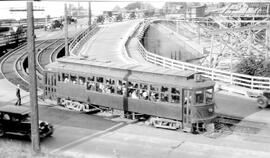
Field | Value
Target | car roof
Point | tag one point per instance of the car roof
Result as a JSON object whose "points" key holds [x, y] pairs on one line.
{"points": [[15, 109]]}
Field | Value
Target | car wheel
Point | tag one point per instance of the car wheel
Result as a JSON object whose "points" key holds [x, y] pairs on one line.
{"points": [[29, 136], [262, 103], [1, 132]]}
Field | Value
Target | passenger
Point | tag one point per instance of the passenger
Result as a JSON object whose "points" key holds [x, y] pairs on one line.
{"points": [[108, 89], [92, 86], [81, 82], [134, 95], [145, 95], [66, 80], [119, 89], [152, 97]]}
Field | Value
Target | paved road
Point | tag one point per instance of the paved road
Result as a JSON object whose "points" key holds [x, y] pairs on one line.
{"points": [[57, 33]]}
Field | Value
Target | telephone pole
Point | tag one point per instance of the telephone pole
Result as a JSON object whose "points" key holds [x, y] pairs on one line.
{"points": [[32, 79], [66, 31]]}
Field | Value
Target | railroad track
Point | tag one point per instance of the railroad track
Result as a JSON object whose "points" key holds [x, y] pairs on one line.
{"points": [[227, 125], [45, 56], [11, 66]]}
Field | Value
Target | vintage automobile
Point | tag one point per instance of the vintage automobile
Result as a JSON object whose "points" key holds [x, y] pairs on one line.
{"points": [[16, 120], [264, 99], [54, 24]]}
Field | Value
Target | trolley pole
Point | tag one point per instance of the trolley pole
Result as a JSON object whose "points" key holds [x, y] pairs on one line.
{"points": [[33, 79], [89, 14], [66, 32]]}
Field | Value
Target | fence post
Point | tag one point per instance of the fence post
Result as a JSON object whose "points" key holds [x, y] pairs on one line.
{"points": [[163, 62], [251, 84], [231, 79], [212, 74]]}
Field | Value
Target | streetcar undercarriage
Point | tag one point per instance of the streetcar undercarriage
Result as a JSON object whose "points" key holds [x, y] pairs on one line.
{"points": [[154, 121]]}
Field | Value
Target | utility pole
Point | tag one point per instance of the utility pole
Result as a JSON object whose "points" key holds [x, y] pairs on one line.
{"points": [[66, 31], [32, 79], [89, 14]]}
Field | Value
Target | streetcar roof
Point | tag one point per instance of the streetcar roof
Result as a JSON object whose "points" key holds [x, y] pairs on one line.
{"points": [[153, 74], [118, 65]]}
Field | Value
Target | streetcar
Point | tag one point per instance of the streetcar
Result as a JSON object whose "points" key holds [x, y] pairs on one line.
{"points": [[172, 99], [12, 35]]}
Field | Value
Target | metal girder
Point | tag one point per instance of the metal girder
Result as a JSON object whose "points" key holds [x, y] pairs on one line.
{"points": [[218, 31]]}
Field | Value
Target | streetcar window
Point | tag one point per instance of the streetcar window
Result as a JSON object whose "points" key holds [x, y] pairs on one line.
{"points": [[134, 93], [164, 97], [54, 79], [46, 75], [164, 89], [65, 77], [92, 78], [120, 88], [110, 81], [100, 87], [81, 80], [209, 95], [175, 99], [143, 94], [109, 88], [154, 88], [154, 93], [175, 95], [90, 86], [199, 96], [49, 80], [133, 85], [154, 96], [175, 91], [59, 77], [73, 79], [100, 79]]}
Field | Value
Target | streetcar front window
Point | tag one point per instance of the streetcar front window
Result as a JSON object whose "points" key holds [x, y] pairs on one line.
{"points": [[209, 93], [199, 96]]}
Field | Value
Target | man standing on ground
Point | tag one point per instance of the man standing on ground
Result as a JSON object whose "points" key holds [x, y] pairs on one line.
{"points": [[18, 94]]}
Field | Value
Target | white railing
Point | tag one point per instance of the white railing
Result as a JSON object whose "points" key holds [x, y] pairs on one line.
{"points": [[236, 79], [81, 39]]}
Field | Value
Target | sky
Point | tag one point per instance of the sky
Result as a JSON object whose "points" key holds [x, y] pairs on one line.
{"points": [[56, 9]]}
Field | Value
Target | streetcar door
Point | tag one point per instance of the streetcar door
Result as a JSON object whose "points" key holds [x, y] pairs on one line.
{"points": [[50, 86], [186, 110]]}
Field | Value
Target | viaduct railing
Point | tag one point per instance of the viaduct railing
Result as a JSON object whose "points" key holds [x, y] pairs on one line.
{"points": [[81, 38], [241, 81]]}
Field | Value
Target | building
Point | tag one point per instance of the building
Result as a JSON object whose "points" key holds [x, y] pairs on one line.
{"points": [[195, 11]]}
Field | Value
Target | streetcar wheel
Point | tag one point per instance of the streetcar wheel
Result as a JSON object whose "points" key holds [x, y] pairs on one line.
{"points": [[262, 103]]}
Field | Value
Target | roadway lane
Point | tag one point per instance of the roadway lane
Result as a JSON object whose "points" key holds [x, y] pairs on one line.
{"points": [[57, 33], [107, 43], [135, 141], [233, 105], [70, 126]]}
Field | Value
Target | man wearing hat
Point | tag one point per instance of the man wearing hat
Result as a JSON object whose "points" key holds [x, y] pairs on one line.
{"points": [[18, 94]]}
